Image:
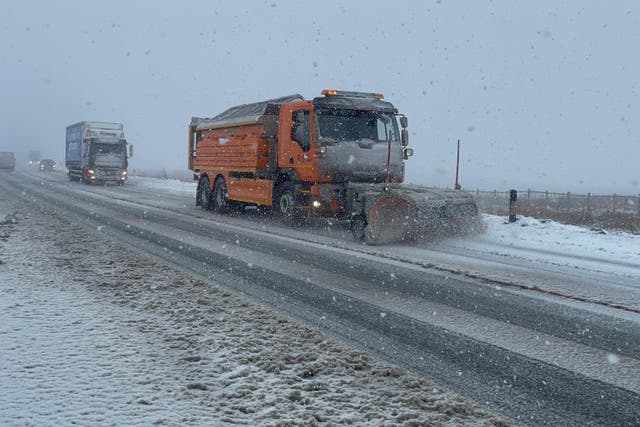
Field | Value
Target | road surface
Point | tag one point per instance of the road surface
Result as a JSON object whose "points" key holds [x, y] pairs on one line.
{"points": [[542, 337]]}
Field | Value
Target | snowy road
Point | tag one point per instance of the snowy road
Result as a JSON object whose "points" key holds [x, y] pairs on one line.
{"points": [[549, 258], [98, 334], [541, 336]]}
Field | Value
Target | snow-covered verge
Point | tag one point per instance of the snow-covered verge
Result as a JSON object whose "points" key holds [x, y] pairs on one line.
{"points": [[170, 184], [95, 333], [567, 240]]}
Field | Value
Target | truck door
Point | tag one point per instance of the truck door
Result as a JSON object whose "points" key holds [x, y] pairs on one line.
{"points": [[296, 146]]}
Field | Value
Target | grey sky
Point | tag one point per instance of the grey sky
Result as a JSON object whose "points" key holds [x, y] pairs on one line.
{"points": [[542, 94]]}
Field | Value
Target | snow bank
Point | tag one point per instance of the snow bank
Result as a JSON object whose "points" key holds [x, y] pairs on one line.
{"points": [[564, 240], [170, 185]]}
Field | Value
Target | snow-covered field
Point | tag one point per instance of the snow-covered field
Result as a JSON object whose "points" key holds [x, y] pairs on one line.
{"points": [[94, 333]]}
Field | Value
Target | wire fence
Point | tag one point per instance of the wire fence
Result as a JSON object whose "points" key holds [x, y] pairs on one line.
{"points": [[545, 202]]}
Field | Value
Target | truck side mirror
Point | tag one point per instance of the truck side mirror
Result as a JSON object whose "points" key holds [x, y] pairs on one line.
{"points": [[404, 122], [404, 137], [130, 150], [298, 116], [297, 135]]}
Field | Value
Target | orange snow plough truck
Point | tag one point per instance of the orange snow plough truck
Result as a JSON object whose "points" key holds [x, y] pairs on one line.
{"points": [[341, 154]]}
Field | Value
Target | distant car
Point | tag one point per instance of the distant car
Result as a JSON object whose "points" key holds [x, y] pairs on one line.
{"points": [[7, 160], [47, 165]]}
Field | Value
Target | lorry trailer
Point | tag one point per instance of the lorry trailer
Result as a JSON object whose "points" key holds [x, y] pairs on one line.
{"points": [[341, 154]]}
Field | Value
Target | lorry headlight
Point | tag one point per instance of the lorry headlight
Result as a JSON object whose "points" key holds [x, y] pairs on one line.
{"points": [[123, 173], [316, 203], [408, 152], [322, 150]]}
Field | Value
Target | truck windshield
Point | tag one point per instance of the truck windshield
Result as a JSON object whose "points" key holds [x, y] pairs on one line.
{"points": [[110, 155], [109, 149], [335, 125]]}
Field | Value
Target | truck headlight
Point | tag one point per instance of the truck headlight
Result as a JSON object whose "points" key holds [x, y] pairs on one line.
{"points": [[316, 204], [408, 152]]}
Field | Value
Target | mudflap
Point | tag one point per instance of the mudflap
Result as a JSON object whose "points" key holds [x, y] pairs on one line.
{"points": [[397, 212]]}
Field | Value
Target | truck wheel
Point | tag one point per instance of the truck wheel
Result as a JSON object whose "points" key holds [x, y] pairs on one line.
{"points": [[358, 225], [220, 196], [284, 203], [205, 193]]}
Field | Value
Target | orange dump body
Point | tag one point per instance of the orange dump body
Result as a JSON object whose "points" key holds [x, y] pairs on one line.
{"points": [[237, 154], [251, 148]]}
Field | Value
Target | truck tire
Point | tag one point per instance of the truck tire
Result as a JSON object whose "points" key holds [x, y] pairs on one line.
{"points": [[220, 196], [204, 191], [284, 202]]}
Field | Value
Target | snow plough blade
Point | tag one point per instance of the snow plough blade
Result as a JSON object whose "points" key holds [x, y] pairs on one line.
{"points": [[396, 212]]}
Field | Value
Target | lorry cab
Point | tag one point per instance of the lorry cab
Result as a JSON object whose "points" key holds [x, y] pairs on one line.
{"points": [[357, 137]]}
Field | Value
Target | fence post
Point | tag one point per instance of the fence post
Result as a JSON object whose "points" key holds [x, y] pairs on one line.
{"points": [[528, 194], [589, 203], [513, 198], [568, 202], [613, 199], [638, 204]]}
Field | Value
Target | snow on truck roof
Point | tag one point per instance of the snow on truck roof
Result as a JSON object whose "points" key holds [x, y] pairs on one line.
{"points": [[99, 125], [241, 114], [251, 113]]}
